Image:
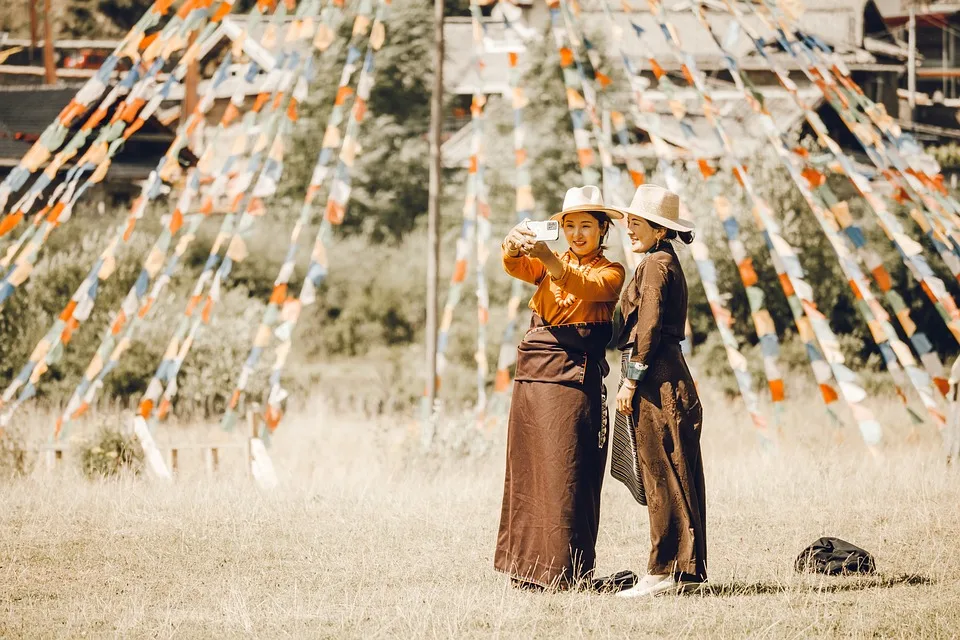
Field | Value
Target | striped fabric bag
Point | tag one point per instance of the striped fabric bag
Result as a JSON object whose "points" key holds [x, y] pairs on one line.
{"points": [[624, 462]]}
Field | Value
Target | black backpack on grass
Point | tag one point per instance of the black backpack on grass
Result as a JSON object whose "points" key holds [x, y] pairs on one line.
{"points": [[834, 556]]}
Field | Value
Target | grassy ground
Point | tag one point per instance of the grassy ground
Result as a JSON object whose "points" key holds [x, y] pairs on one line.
{"points": [[368, 538]]}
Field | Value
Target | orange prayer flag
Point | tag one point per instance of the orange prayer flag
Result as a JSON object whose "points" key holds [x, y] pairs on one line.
{"points": [[261, 100], [80, 410], [10, 221], [943, 385], [118, 323], [776, 390], [459, 271], [585, 156], [501, 381], [813, 177], [786, 285], [359, 109], [67, 312], [342, 94], [335, 212], [176, 221], [656, 68], [705, 168], [747, 273], [828, 393], [279, 294], [207, 310]]}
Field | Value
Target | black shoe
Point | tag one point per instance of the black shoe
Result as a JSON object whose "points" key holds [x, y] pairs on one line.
{"points": [[614, 583]]}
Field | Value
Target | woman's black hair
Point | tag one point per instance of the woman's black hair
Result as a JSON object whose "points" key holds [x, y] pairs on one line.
{"points": [[686, 237], [602, 218]]}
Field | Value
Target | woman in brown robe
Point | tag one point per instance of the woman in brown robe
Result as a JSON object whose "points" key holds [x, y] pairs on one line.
{"points": [[556, 435], [658, 392]]}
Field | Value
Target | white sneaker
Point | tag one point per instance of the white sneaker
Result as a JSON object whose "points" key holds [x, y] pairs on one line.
{"points": [[654, 585], [649, 586]]}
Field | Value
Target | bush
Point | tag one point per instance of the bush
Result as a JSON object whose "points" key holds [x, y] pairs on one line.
{"points": [[111, 453], [16, 460]]}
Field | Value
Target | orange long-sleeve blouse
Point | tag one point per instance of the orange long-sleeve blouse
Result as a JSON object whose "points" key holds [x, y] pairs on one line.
{"points": [[596, 292]]}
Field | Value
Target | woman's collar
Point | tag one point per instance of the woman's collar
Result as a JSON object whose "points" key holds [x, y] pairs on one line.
{"points": [[587, 258]]}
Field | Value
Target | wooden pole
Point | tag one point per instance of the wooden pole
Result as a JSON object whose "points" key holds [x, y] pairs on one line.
{"points": [[912, 61], [433, 207], [34, 28], [50, 69], [191, 82]]}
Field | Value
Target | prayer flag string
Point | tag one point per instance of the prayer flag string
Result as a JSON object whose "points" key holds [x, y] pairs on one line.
{"points": [[593, 81], [911, 257], [705, 267], [332, 142], [484, 231], [524, 205], [907, 176], [49, 350], [129, 116], [826, 209], [133, 46], [763, 324], [911, 252], [291, 89], [813, 323], [576, 105], [183, 222], [336, 207], [467, 242], [822, 371]]}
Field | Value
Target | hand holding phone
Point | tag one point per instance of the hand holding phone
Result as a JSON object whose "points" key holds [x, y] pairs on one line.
{"points": [[545, 230]]}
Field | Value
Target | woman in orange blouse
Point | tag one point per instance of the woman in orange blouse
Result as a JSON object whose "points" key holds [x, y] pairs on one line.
{"points": [[557, 431]]}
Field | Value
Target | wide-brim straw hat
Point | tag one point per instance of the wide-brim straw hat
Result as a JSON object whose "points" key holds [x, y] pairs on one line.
{"points": [[656, 204], [586, 199]]}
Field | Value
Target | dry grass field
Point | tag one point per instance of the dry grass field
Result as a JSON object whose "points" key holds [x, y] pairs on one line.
{"points": [[368, 538]]}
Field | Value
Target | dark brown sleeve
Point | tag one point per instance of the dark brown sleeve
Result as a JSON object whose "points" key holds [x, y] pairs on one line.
{"points": [[653, 288]]}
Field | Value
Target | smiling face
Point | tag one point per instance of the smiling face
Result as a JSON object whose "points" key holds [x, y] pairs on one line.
{"points": [[642, 235], [583, 233]]}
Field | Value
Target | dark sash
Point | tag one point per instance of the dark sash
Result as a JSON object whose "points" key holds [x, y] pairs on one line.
{"points": [[562, 353]]}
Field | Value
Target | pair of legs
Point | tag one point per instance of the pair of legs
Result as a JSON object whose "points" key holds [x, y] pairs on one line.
{"points": [[668, 421]]}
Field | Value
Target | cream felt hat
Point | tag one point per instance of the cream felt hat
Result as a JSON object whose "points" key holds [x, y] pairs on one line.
{"points": [[585, 199], [656, 204]]}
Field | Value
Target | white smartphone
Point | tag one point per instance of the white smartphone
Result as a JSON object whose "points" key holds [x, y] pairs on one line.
{"points": [[546, 230]]}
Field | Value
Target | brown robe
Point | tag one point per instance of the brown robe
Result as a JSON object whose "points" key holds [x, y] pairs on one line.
{"points": [[556, 453], [667, 416]]}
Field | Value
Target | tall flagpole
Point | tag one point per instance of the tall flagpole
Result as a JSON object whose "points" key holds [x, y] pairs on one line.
{"points": [[433, 215]]}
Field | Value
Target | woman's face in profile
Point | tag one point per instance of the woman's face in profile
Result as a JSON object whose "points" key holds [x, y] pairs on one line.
{"points": [[583, 233], [641, 234]]}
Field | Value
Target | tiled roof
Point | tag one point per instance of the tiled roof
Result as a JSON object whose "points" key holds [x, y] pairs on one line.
{"points": [[25, 111], [29, 109], [738, 120], [839, 23]]}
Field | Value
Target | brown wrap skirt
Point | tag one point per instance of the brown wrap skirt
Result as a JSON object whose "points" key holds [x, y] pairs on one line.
{"points": [[668, 421], [556, 453]]}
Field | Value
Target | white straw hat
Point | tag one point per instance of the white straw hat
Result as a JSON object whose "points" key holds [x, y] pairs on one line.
{"points": [[656, 204], [585, 199]]}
